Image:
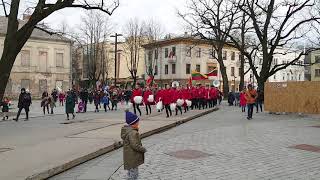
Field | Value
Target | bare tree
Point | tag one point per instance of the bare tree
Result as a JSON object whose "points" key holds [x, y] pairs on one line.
{"points": [[94, 31], [18, 33], [275, 24], [153, 32], [134, 38], [209, 19]]}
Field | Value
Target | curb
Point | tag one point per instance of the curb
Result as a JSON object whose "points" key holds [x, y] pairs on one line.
{"points": [[59, 169]]}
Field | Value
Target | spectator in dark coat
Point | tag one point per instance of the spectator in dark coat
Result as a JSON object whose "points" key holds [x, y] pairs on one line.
{"points": [[24, 103]]}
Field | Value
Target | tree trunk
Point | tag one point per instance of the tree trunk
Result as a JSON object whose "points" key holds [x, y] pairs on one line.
{"points": [[6, 64], [241, 85], [223, 74]]}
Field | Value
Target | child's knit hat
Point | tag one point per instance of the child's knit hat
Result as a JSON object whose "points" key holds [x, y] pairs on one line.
{"points": [[131, 118]]}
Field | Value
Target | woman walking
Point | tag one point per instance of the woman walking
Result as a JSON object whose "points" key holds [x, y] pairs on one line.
{"points": [[70, 104], [243, 101], [146, 95]]}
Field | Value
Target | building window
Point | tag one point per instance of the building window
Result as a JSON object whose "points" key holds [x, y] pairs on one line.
{"points": [[232, 71], [173, 70], [317, 59], [198, 68], [25, 83], [211, 53], [59, 84], [25, 58], [224, 55], [155, 70], [43, 85], [59, 59], [283, 77], [233, 56], [173, 50], [156, 54], [188, 51], [299, 77], [188, 68], [166, 69], [239, 72], [317, 73], [166, 52], [199, 52], [274, 77]]}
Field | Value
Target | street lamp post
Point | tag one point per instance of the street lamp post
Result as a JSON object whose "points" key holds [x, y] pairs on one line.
{"points": [[115, 56]]}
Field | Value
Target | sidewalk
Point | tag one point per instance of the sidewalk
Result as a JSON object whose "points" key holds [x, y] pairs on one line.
{"points": [[46, 146], [223, 145]]}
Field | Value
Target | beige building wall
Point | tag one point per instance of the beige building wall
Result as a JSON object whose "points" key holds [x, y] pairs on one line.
{"points": [[41, 65], [199, 56], [315, 68]]}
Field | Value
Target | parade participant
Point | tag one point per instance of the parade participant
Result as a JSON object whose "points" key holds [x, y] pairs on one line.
{"points": [[207, 97], [213, 96], [105, 101], [96, 99], [250, 96], [45, 102], [114, 99], [177, 94], [51, 103], [194, 92], [54, 95], [136, 92], [61, 98], [24, 103], [243, 101], [201, 96], [231, 98], [259, 100], [185, 96], [70, 104], [5, 108], [167, 99], [90, 97], [147, 92], [84, 96], [220, 96], [158, 96], [127, 95], [133, 151]]}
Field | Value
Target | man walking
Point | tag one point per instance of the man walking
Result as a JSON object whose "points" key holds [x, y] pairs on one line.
{"points": [[24, 103], [250, 96]]}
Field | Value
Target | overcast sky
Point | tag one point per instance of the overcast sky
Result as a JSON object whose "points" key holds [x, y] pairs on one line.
{"points": [[164, 11]]}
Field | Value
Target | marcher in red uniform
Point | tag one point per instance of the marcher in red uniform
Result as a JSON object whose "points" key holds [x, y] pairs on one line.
{"points": [[201, 96], [177, 93], [166, 99], [185, 96], [213, 96], [136, 92], [206, 96], [147, 92]]}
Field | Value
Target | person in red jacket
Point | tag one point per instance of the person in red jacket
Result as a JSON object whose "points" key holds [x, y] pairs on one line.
{"points": [[147, 92], [177, 95], [206, 100], [212, 97], [194, 92], [136, 92], [166, 99], [201, 96]]}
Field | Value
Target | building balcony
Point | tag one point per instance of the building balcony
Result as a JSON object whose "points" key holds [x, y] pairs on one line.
{"points": [[172, 59]]}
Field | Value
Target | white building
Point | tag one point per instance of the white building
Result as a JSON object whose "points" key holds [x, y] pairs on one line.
{"points": [[174, 59], [281, 56]]}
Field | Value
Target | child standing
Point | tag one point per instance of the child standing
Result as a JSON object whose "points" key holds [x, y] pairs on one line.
{"points": [[5, 108], [133, 151]]}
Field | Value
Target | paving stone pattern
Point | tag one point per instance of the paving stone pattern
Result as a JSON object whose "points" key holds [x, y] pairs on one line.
{"points": [[237, 149]]}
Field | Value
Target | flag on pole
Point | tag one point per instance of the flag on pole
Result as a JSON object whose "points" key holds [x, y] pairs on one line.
{"points": [[214, 72], [198, 76]]}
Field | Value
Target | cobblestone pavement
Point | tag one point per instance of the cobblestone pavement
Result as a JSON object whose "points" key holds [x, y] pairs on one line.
{"points": [[228, 147]]}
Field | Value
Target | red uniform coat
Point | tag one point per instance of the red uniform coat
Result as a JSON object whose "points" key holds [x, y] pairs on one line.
{"points": [[136, 92], [243, 101], [158, 95], [146, 96], [167, 96]]}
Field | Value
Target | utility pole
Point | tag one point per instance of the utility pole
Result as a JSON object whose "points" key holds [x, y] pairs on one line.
{"points": [[115, 56]]}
